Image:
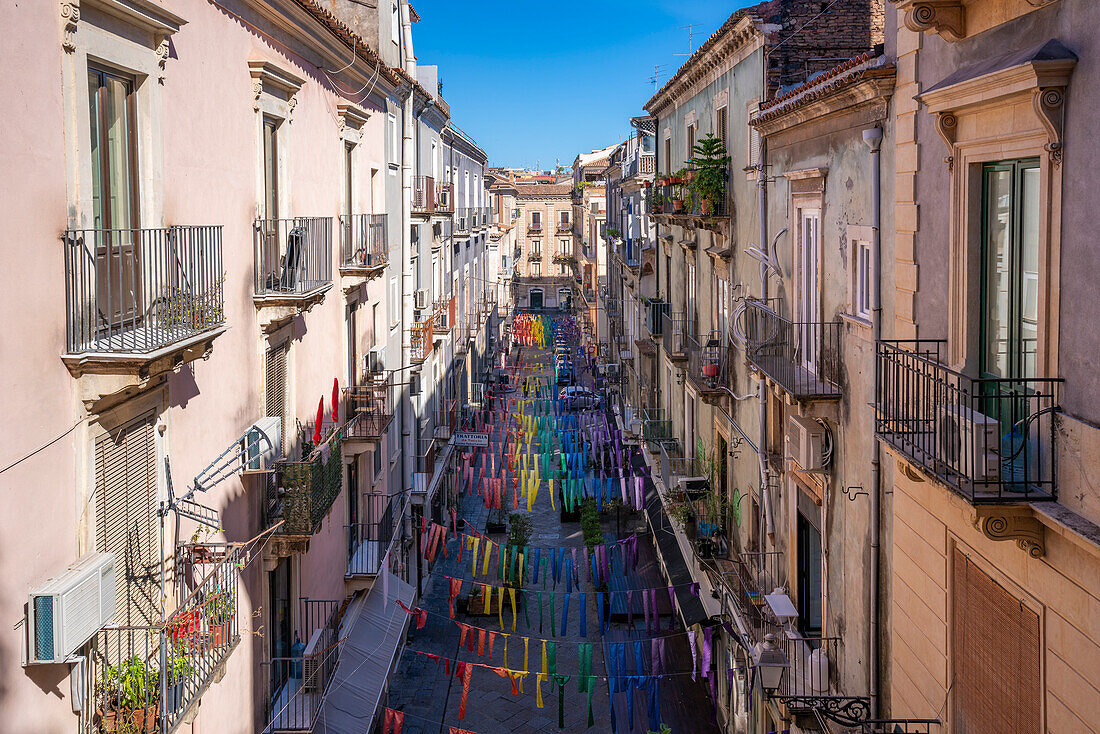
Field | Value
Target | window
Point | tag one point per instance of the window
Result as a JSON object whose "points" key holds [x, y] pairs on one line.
{"points": [[721, 303], [1010, 269], [752, 153], [861, 279], [395, 302], [275, 382], [126, 518], [349, 178], [565, 248], [691, 130], [112, 108], [995, 654], [807, 290], [668, 153], [536, 247], [562, 269], [395, 142], [564, 217], [536, 269], [690, 296], [721, 124], [809, 577], [536, 220]]}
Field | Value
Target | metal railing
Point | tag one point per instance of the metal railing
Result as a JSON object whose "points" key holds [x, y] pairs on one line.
{"points": [[368, 409], [368, 541], [675, 333], [708, 361], [421, 339], [534, 227], [363, 241], [300, 493], [426, 449], [444, 200], [147, 678], [656, 428], [138, 290], [297, 683], [463, 220], [424, 196], [990, 440], [747, 579], [801, 357], [293, 256], [565, 227], [813, 662], [445, 420]]}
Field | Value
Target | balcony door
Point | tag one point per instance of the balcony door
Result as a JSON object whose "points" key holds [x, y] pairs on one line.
{"points": [[270, 261], [809, 297], [112, 112], [809, 577]]}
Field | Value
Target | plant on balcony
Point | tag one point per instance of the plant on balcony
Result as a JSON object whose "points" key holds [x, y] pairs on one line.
{"points": [[709, 161], [656, 201], [179, 667], [219, 611], [130, 692], [678, 190], [197, 310]]}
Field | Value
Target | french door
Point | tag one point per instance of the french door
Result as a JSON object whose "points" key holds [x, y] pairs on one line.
{"points": [[809, 300]]}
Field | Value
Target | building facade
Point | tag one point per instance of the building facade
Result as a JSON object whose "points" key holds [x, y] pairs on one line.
{"points": [[544, 273]]}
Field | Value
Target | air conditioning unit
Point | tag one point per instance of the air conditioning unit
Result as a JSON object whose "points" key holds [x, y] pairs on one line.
{"points": [[806, 442], [968, 442], [312, 661], [262, 442], [375, 361], [610, 370], [420, 299], [693, 487], [68, 609]]}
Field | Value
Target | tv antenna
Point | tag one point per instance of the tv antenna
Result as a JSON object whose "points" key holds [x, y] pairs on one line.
{"points": [[690, 28], [658, 70]]}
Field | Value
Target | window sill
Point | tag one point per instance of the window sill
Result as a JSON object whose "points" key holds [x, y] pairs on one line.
{"points": [[856, 321]]}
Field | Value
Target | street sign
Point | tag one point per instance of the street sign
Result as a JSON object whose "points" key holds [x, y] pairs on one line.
{"points": [[468, 438]]}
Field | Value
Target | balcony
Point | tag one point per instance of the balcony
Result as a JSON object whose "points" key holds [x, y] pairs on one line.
{"points": [[297, 683], [534, 227], [421, 337], [443, 316], [152, 678], [293, 266], [639, 165], [368, 541], [989, 440], [369, 411], [427, 450], [364, 249], [675, 203], [445, 420], [300, 493], [803, 358], [141, 301], [565, 227], [656, 428], [444, 199], [708, 362], [675, 333], [424, 196], [463, 220], [535, 256]]}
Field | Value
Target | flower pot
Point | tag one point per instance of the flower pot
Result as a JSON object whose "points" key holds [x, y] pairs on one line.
{"points": [[689, 176], [143, 720], [708, 206], [108, 720], [677, 206], [221, 634], [173, 696], [710, 369]]}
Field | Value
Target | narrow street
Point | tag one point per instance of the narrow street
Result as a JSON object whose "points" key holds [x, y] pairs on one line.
{"points": [[426, 690]]}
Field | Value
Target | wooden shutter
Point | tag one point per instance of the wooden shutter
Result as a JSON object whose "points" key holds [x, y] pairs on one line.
{"points": [[995, 660], [275, 388], [126, 523]]}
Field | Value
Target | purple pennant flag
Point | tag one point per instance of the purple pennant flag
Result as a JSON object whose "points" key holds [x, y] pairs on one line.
{"points": [[694, 661], [694, 588], [672, 602], [655, 649], [645, 610], [622, 487], [639, 491]]}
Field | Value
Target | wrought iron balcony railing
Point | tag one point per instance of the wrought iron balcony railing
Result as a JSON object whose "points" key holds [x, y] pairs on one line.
{"points": [[803, 358], [300, 493], [445, 420], [137, 291], [534, 227], [424, 195], [463, 220], [421, 339], [426, 451], [363, 242], [444, 199], [990, 440], [675, 331], [149, 678], [565, 227], [656, 428], [368, 409], [293, 256], [708, 362], [297, 683], [368, 541]]}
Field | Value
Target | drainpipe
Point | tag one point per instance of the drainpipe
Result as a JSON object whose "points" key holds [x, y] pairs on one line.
{"points": [[407, 152], [766, 500], [873, 138]]}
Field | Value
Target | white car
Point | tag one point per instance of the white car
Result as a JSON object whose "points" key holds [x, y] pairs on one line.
{"points": [[579, 398]]}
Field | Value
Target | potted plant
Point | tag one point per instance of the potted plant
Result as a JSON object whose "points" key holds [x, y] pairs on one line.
{"points": [[178, 668], [710, 161], [130, 692], [220, 609], [519, 536]]}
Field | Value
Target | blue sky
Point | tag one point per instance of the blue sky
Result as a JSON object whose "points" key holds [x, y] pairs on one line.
{"points": [[539, 81]]}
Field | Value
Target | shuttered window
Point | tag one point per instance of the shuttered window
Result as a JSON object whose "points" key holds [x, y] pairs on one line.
{"points": [[995, 661], [275, 388], [126, 523]]}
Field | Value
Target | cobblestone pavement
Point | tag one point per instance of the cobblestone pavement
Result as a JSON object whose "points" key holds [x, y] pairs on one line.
{"points": [[430, 698]]}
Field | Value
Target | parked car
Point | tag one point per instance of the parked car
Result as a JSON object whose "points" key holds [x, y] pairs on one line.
{"points": [[563, 369], [579, 398]]}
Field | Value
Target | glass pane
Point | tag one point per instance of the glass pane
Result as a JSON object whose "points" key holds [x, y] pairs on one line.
{"points": [[1029, 269], [97, 182], [998, 263], [117, 135]]}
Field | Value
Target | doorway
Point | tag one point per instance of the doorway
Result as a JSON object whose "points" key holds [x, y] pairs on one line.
{"points": [[536, 299]]}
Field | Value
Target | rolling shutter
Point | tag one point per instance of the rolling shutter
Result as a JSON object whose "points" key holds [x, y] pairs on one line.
{"points": [[275, 388], [126, 522], [995, 661]]}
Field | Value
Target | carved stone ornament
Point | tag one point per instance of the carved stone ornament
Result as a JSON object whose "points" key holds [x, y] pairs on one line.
{"points": [[1007, 523], [163, 50], [1049, 104], [257, 92], [947, 126], [945, 18], [70, 16]]}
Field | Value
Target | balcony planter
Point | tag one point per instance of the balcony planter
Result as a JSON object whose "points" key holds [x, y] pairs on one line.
{"points": [[708, 183], [708, 207], [677, 206], [711, 370]]}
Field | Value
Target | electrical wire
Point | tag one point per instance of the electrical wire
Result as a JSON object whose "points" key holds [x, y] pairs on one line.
{"points": [[41, 448]]}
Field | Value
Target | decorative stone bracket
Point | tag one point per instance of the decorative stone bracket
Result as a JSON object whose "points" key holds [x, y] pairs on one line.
{"points": [[945, 18], [1012, 523]]}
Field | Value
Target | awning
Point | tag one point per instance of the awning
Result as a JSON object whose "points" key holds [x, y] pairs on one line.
{"points": [[691, 608], [372, 638]]}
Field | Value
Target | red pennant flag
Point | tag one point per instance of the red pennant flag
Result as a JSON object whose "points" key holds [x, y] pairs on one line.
{"points": [[335, 400], [317, 423]]}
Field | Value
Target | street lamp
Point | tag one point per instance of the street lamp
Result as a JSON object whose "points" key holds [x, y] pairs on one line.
{"points": [[769, 663]]}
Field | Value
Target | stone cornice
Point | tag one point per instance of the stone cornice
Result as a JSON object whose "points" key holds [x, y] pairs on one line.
{"points": [[867, 91]]}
